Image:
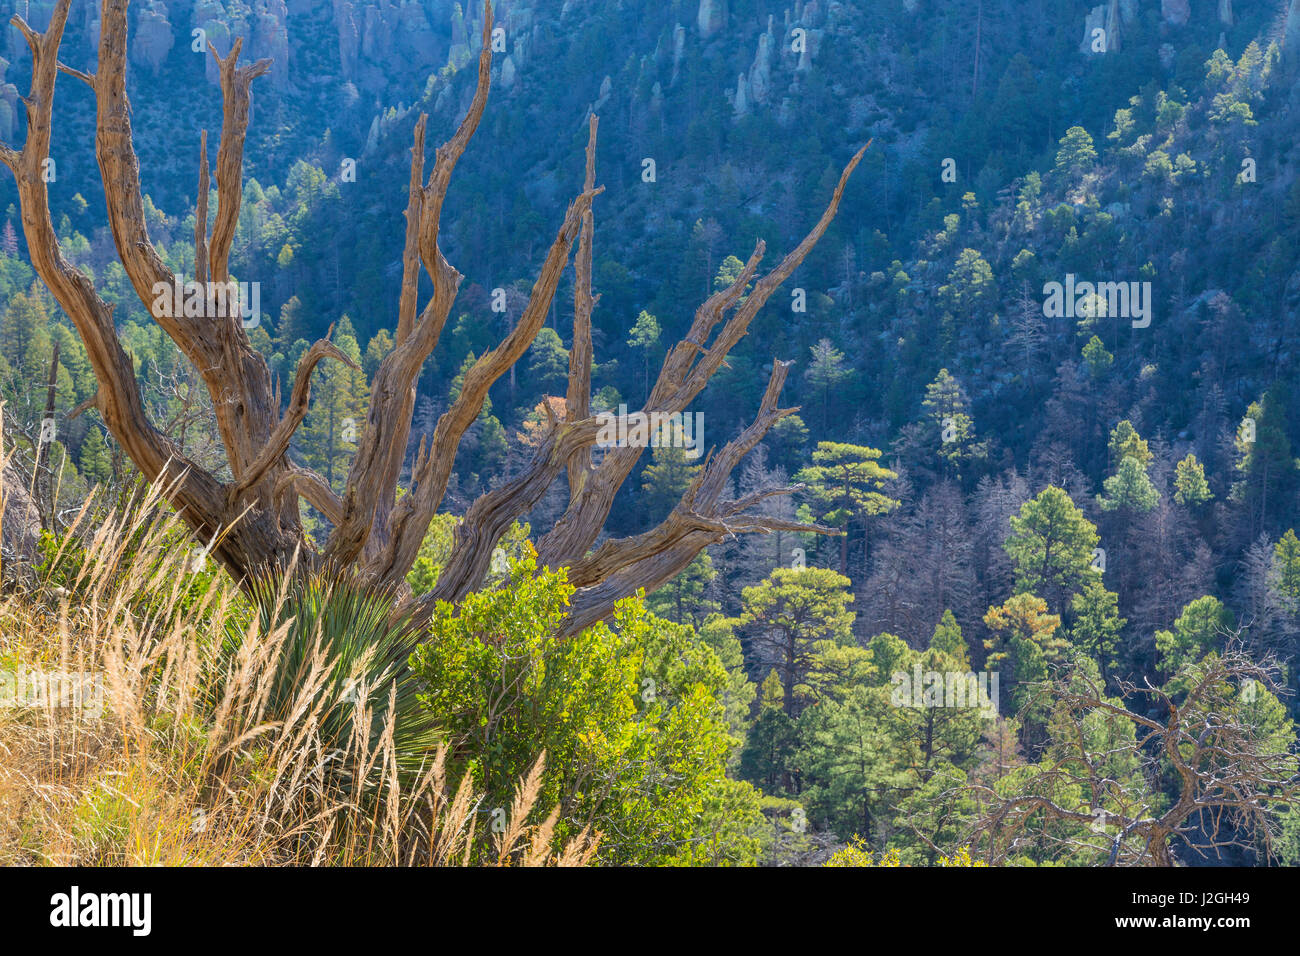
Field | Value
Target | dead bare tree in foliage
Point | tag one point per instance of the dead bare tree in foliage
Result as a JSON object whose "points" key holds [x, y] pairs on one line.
{"points": [[255, 517], [1195, 768]]}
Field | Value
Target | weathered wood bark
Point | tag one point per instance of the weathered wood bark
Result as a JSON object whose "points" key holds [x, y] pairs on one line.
{"points": [[254, 512]]}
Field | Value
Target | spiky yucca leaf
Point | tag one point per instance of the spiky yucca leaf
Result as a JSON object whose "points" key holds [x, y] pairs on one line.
{"points": [[342, 668]]}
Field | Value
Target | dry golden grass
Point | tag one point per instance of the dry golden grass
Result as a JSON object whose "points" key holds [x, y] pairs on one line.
{"points": [[185, 764]]}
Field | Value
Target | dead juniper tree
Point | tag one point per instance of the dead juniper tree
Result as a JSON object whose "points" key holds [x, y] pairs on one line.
{"points": [[1200, 764], [254, 517]]}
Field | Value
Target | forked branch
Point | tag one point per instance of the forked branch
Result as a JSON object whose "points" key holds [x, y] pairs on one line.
{"points": [[375, 533]]}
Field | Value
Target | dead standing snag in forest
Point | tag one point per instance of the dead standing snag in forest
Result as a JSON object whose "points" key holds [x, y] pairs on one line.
{"points": [[376, 535]]}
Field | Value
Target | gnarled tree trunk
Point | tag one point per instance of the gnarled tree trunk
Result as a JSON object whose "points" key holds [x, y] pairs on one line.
{"points": [[253, 519]]}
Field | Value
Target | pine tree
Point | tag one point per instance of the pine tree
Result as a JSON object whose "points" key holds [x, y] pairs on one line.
{"points": [[1286, 559], [1201, 627], [1098, 359], [380, 344], [645, 336], [947, 640], [955, 429], [843, 486], [1129, 488], [667, 476], [1189, 481], [1077, 154], [787, 615], [682, 599], [96, 461], [292, 326], [1051, 546], [1025, 641], [1097, 624], [9, 241], [1126, 442], [825, 372], [1265, 460], [338, 410], [767, 758], [548, 362]]}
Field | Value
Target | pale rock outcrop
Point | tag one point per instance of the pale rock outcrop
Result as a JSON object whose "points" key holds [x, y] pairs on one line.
{"points": [[412, 38], [8, 114], [507, 72], [345, 23], [741, 101], [443, 101], [1128, 10], [1094, 20], [679, 50], [374, 34], [606, 91], [805, 60], [220, 29], [518, 20], [8, 104], [1175, 12], [1225, 13], [460, 53], [785, 113], [712, 17], [1291, 40], [760, 73], [271, 39], [371, 33], [153, 38]]}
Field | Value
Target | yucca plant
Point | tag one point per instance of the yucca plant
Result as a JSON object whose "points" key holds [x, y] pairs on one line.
{"points": [[338, 684]]}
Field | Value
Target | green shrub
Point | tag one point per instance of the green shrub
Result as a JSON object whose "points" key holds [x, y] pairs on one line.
{"points": [[630, 715]]}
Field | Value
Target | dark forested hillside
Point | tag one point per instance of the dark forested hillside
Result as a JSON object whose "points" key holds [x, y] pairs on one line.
{"points": [[1045, 369]]}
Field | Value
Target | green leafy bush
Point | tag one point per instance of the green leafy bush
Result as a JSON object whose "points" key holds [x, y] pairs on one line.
{"points": [[630, 715]]}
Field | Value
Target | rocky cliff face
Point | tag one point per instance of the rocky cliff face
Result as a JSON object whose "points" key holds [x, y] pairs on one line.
{"points": [[1108, 19], [781, 55]]}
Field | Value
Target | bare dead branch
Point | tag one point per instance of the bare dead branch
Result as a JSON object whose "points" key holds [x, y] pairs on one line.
{"points": [[201, 214], [413, 513], [196, 495], [578, 397], [375, 534], [299, 397], [368, 521], [236, 92], [679, 383], [87, 78], [618, 568]]}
